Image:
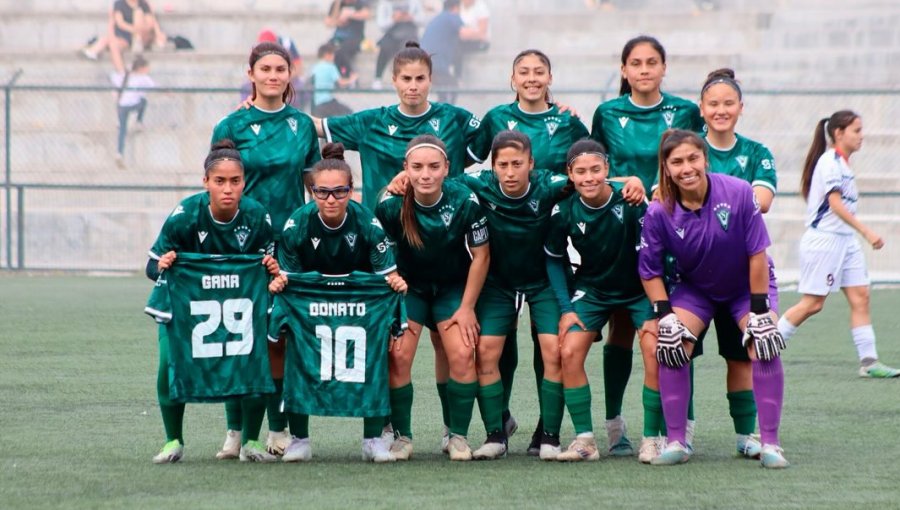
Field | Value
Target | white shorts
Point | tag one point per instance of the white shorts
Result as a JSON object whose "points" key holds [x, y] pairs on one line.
{"points": [[829, 262]]}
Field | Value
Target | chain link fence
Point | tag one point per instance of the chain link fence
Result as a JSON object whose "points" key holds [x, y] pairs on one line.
{"points": [[67, 205]]}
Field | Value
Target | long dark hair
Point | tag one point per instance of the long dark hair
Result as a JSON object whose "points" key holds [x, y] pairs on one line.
{"points": [[272, 48], [544, 60], [408, 220], [838, 120], [624, 86], [672, 138]]}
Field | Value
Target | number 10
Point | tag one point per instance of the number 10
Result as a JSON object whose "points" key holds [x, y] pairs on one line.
{"points": [[334, 354]]}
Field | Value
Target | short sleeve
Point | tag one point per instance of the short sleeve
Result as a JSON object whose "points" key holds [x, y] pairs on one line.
{"points": [[764, 174], [293, 233], [221, 131], [381, 249], [557, 237], [169, 238], [597, 132], [480, 144], [476, 222], [347, 129]]}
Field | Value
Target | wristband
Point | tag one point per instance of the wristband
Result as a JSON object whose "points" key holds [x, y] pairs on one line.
{"points": [[662, 308], [759, 303]]}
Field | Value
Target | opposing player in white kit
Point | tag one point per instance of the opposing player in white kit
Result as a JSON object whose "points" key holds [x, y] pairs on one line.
{"points": [[830, 254]]}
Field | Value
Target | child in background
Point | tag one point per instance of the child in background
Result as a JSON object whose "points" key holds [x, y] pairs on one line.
{"points": [[325, 78], [132, 97]]}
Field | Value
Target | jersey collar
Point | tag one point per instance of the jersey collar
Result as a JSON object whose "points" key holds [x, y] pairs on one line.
{"points": [[523, 195], [722, 149], [608, 201], [661, 99], [414, 116], [842, 155], [432, 206], [217, 222], [271, 111], [335, 229], [519, 107]]}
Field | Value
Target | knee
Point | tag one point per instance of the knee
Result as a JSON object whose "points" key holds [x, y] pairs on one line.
{"points": [[461, 359], [815, 307], [400, 362], [569, 358]]}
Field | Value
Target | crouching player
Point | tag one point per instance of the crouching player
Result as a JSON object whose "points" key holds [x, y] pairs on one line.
{"points": [[712, 225]]}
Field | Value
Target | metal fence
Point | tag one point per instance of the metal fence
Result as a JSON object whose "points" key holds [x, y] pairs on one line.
{"points": [[67, 205]]}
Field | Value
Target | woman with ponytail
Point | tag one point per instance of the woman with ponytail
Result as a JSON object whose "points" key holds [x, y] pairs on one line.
{"points": [[830, 254]]}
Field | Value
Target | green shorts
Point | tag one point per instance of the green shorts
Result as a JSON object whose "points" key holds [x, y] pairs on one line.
{"points": [[594, 309], [498, 309], [428, 304]]}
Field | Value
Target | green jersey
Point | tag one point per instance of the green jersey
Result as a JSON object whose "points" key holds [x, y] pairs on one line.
{"points": [[607, 238], [631, 133], [446, 228], [551, 133], [381, 135], [359, 244], [190, 227], [214, 310], [747, 160], [276, 148], [337, 357], [517, 226]]}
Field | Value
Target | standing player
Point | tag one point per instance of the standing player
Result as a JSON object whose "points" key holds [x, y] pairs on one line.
{"points": [[605, 231], [217, 221], [830, 254], [721, 105], [334, 235], [436, 225], [552, 132], [630, 127], [711, 224], [277, 143]]}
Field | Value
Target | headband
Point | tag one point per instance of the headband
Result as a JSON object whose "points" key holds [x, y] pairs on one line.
{"points": [[585, 153], [215, 161], [426, 145], [727, 81], [273, 52]]}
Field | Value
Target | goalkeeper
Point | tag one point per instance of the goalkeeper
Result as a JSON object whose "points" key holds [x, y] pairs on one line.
{"points": [[712, 225]]}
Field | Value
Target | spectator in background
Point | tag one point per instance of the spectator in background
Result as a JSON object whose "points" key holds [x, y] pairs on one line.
{"points": [[134, 26], [441, 40], [476, 34], [399, 19], [131, 100], [348, 17], [302, 95], [325, 78]]}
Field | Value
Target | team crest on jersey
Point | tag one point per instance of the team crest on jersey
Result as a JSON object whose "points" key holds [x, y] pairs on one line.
{"points": [[255, 128], [742, 160], [623, 121], [435, 125], [669, 117], [679, 231], [292, 122], [446, 213], [511, 124], [289, 224], [619, 211], [552, 124], [351, 240], [242, 233], [178, 210], [202, 235], [534, 204], [392, 129], [315, 242], [581, 226], [723, 214]]}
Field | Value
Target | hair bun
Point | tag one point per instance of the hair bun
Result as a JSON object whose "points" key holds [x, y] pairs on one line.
{"points": [[225, 143], [724, 72], [333, 151], [412, 44]]}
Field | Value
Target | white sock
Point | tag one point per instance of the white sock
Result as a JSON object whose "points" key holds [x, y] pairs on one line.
{"points": [[786, 329], [864, 338]]}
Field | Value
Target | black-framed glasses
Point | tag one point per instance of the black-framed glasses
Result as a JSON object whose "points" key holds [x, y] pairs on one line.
{"points": [[338, 193]]}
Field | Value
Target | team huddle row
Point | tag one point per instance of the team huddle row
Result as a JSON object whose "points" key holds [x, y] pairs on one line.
{"points": [[462, 252]]}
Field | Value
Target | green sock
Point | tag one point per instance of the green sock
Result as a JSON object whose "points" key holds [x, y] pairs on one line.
{"points": [[277, 420], [742, 407], [401, 410], [299, 424], [578, 400], [690, 413], [254, 412], [537, 363], [490, 400], [461, 397], [552, 406], [616, 372], [372, 426], [509, 360], [445, 406], [654, 424], [172, 413], [234, 414]]}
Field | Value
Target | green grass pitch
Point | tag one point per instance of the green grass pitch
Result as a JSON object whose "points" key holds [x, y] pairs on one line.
{"points": [[79, 424]]}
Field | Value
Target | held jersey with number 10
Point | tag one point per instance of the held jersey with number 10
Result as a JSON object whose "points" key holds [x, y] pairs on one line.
{"points": [[339, 328], [214, 311]]}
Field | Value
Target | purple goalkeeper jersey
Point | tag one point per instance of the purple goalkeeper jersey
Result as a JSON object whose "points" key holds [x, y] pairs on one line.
{"points": [[712, 245]]}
